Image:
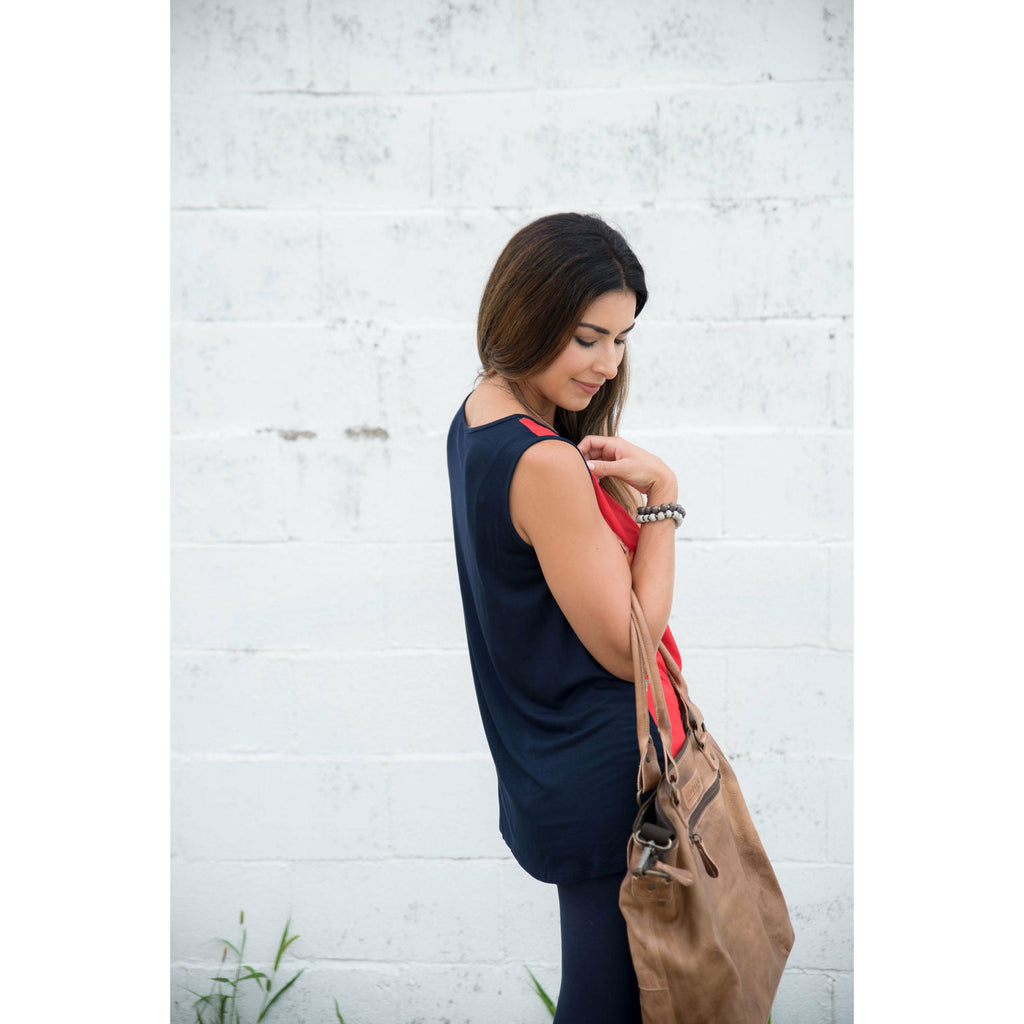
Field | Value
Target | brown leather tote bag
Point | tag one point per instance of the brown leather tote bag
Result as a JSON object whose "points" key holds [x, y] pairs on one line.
{"points": [[707, 922]]}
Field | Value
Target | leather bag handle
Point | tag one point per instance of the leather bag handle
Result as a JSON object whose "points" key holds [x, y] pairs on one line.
{"points": [[649, 772], [645, 672], [695, 718]]}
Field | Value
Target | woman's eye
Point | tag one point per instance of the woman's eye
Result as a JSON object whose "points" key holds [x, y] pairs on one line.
{"points": [[591, 344]]}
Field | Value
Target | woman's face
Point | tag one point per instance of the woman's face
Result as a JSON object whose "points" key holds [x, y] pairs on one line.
{"points": [[591, 357]]}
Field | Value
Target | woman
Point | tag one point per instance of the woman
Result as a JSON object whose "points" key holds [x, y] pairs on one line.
{"points": [[544, 497]]}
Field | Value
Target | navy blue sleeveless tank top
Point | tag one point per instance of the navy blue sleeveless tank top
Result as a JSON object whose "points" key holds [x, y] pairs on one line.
{"points": [[561, 729]]}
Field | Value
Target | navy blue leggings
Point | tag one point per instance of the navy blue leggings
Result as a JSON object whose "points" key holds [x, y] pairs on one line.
{"points": [[598, 980]]}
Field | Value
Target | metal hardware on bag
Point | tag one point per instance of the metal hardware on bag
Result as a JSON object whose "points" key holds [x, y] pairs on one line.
{"points": [[645, 857], [654, 873], [710, 866], [695, 728], [673, 777], [667, 845], [650, 846]]}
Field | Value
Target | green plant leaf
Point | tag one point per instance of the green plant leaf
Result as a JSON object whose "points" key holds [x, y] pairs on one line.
{"points": [[277, 995], [545, 998], [202, 1001], [337, 1012], [253, 975], [231, 946], [284, 944]]}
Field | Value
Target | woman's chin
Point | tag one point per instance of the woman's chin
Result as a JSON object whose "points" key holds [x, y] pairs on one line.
{"points": [[577, 403]]}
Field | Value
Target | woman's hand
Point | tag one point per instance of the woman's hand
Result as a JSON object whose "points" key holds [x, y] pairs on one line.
{"points": [[611, 456]]}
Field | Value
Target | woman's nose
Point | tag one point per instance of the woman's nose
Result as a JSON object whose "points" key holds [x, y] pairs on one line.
{"points": [[607, 362]]}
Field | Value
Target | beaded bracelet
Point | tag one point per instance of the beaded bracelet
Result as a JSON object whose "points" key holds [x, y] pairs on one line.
{"points": [[652, 513]]}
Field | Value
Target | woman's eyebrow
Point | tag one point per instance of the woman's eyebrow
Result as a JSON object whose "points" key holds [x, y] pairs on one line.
{"points": [[602, 330]]}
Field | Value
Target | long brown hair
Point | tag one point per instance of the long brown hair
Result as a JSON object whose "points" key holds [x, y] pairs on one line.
{"points": [[547, 275]]}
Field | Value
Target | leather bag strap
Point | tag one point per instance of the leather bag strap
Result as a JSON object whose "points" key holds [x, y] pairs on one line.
{"points": [[645, 673], [694, 715], [649, 772], [675, 676]]}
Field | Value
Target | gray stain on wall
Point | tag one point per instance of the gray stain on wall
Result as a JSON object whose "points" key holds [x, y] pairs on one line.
{"points": [[366, 433]]}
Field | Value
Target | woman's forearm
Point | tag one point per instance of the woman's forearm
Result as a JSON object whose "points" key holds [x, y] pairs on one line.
{"points": [[653, 566]]}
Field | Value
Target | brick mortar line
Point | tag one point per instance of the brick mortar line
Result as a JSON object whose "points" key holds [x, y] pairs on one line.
{"points": [[399, 651], [836, 971], [313, 323], [758, 321], [339, 964], [823, 543], [283, 757], [709, 85], [187, 757], [396, 860], [463, 211], [227, 861], [732, 200], [286, 757], [337, 653], [832, 540], [271, 434]]}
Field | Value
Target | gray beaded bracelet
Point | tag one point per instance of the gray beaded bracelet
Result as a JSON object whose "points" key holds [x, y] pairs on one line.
{"points": [[652, 513]]}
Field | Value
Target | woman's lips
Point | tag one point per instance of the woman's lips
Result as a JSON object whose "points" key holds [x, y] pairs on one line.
{"points": [[591, 389]]}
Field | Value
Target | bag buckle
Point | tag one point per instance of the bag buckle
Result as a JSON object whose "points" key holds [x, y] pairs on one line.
{"points": [[651, 848]]}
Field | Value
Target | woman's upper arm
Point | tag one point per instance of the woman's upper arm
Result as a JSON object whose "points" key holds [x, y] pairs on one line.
{"points": [[552, 504]]}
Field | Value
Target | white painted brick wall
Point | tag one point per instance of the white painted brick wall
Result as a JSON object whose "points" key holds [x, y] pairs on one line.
{"points": [[343, 176]]}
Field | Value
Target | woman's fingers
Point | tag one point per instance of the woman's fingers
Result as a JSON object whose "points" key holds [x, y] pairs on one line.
{"points": [[602, 469], [594, 447], [609, 449], [638, 473], [611, 456]]}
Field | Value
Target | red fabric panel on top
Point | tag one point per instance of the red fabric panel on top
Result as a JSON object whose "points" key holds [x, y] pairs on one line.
{"points": [[536, 428], [627, 529]]}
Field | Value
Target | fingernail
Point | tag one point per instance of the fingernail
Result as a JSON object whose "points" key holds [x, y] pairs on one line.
{"points": [[590, 466]]}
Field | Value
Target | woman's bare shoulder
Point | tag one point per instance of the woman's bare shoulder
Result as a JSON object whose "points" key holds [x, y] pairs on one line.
{"points": [[551, 484], [553, 460]]}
